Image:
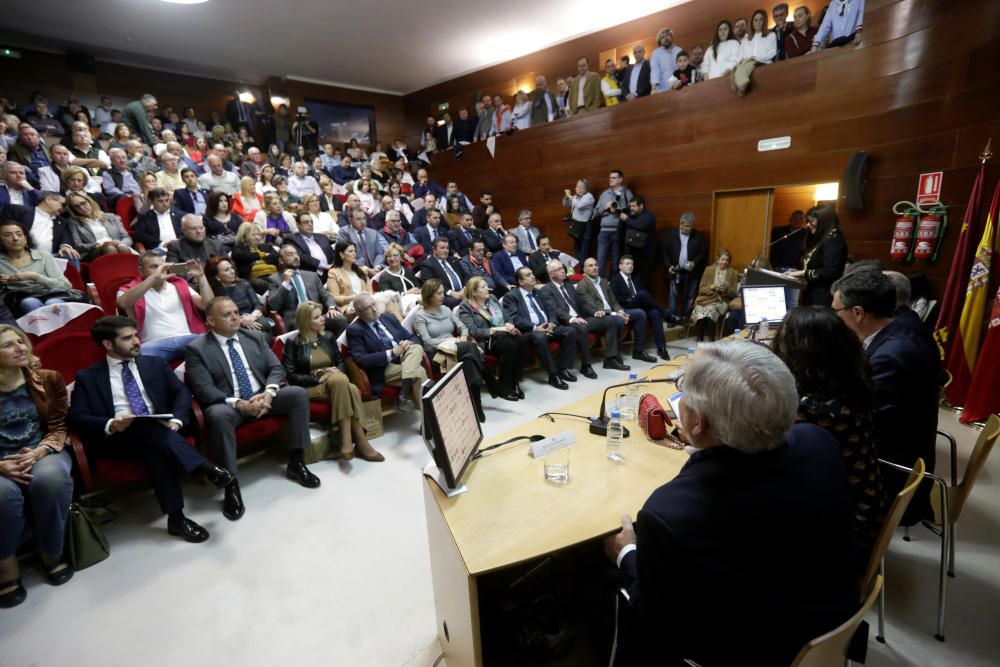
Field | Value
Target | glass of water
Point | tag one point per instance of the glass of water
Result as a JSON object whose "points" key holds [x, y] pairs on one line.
{"points": [[556, 466]]}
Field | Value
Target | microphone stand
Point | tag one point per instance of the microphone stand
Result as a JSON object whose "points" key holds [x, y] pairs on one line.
{"points": [[599, 424], [788, 235]]}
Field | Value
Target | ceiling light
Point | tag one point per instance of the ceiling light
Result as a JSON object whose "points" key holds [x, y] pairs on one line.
{"points": [[247, 96], [827, 191], [185, 2], [278, 100]]}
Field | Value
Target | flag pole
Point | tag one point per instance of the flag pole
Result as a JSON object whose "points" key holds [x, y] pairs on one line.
{"points": [[987, 153]]}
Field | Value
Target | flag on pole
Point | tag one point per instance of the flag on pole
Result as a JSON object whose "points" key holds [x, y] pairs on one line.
{"points": [[958, 276], [965, 345], [984, 393]]}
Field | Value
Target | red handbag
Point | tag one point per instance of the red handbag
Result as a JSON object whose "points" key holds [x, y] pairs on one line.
{"points": [[656, 424]]}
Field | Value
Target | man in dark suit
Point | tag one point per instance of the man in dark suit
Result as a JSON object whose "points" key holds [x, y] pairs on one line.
{"points": [[640, 237], [442, 266], [292, 286], [523, 308], [700, 538], [538, 260], [684, 252], [599, 300], [786, 242], [239, 113], [509, 260], [465, 126], [190, 198], [388, 353], [543, 103], [152, 228], [905, 372], [370, 256], [344, 173], [493, 235], [560, 297], [236, 378], [111, 394], [445, 134], [428, 234], [315, 252], [462, 236], [636, 83], [16, 189], [475, 264], [482, 211], [632, 295]]}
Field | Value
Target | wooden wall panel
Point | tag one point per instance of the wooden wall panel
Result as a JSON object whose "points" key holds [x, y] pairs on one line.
{"points": [[913, 106]]}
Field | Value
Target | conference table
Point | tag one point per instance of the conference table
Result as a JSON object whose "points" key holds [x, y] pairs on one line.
{"points": [[511, 515]]}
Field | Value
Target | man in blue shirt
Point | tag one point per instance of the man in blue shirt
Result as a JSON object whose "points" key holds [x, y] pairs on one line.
{"points": [[841, 25]]}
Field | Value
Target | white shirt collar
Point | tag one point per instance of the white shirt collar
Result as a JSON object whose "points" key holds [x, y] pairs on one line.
{"points": [[868, 341], [223, 341]]}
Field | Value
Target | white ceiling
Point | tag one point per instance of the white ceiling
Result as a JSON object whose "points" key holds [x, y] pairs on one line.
{"points": [[393, 46]]}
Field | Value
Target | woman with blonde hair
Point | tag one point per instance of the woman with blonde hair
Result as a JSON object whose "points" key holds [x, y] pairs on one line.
{"points": [[719, 286], [274, 220], [323, 222], [482, 316], [147, 181], [35, 482], [399, 279], [247, 202], [95, 232], [254, 260], [120, 137], [312, 360]]}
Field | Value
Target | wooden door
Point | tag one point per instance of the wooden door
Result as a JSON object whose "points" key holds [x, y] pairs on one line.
{"points": [[740, 223]]}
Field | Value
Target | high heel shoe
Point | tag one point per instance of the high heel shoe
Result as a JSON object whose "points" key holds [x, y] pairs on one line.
{"points": [[375, 457]]}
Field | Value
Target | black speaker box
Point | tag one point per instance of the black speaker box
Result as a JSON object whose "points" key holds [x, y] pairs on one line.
{"points": [[855, 179]]}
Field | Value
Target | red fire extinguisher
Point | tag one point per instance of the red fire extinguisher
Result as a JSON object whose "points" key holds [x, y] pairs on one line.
{"points": [[902, 237], [930, 231]]}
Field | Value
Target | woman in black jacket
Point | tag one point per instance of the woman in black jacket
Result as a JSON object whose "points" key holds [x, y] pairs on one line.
{"points": [[311, 360], [825, 256]]}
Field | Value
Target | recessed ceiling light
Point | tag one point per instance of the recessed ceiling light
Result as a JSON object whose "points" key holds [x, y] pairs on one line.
{"points": [[185, 2]]}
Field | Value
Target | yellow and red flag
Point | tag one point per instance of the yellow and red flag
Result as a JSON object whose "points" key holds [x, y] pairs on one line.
{"points": [[984, 393], [965, 346]]}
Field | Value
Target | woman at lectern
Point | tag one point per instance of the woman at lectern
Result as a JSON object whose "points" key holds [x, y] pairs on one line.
{"points": [[482, 315], [825, 256]]}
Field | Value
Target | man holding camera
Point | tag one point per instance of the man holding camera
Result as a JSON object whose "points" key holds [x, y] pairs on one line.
{"points": [[612, 207], [305, 131]]}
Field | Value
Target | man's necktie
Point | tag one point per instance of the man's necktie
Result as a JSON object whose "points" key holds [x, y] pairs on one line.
{"points": [[383, 336], [538, 311], [364, 249], [242, 377], [433, 234], [531, 239], [132, 391], [300, 287], [456, 284], [631, 287], [569, 301]]}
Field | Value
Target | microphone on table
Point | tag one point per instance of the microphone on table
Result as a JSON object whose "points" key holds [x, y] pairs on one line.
{"points": [[599, 424]]}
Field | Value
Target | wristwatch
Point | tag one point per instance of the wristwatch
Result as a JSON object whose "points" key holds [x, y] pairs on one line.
{"points": [[51, 449], [272, 392]]}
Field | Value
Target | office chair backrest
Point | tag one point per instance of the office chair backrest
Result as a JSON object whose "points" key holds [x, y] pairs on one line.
{"points": [[831, 648], [896, 510]]}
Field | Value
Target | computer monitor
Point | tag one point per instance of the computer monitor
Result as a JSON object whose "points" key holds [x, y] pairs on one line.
{"points": [[451, 427], [764, 301]]}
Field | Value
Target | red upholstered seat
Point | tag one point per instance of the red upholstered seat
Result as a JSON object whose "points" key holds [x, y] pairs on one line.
{"points": [[110, 272], [68, 352]]}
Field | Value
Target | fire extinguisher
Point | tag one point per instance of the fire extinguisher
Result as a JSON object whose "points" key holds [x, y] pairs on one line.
{"points": [[901, 249], [930, 231]]}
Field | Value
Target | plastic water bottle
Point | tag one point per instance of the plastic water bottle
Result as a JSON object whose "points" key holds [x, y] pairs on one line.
{"points": [[628, 405], [613, 448], [764, 329], [737, 332]]}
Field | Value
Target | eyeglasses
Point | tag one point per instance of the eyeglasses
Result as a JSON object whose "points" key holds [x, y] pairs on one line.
{"points": [[837, 310]]}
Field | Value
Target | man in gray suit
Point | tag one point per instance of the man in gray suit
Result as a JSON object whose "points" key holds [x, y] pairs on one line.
{"points": [[236, 378], [293, 286], [527, 236], [365, 239]]}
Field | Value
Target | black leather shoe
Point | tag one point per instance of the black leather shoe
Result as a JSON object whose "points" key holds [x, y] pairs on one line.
{"points": [[616, 365], [60, 577], [220, 477], [233, 507], [642, 356], [587, 371], [187, 529], [512, 396], [567, 374], [557, 383], [662, 352], [519, 392], [14, 597], [300, 473]]}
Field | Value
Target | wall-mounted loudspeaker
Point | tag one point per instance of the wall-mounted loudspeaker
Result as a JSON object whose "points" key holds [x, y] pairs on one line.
{"points": [[855, 180]]}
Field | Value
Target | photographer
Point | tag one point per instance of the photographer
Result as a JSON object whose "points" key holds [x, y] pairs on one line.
{"points": [[305, 131], [684, 252], [612, 207]]}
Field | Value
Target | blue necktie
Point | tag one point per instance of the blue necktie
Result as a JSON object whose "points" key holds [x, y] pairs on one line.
{"points": [[531, 239], [242, 377], [132, 392], [538, 311], [456, 284], [383, 336]]}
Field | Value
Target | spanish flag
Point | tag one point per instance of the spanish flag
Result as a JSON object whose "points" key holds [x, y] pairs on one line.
{"points": [[984, 394], [965, 347]]}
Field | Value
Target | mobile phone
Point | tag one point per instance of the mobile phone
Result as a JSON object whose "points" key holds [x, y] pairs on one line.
{"points": [[179, 269]]}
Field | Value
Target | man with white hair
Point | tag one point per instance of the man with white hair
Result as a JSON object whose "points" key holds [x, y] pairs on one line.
{"points": [[169, 178], [759, 517], [300, 183], [138, 160], [218, 179], [252, 165], [118, 181]]}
